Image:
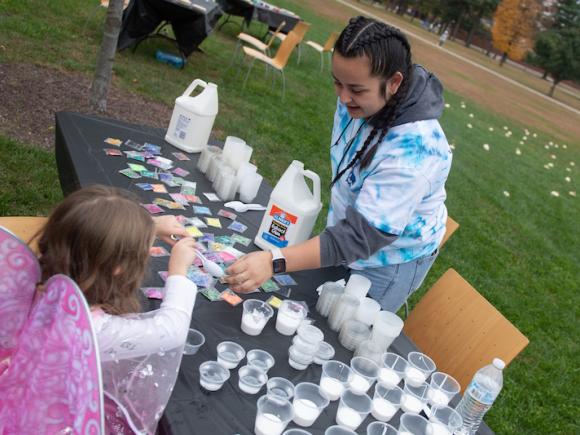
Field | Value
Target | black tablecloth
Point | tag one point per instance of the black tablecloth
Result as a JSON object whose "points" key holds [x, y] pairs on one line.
{"points": [[192, 21], [81, 162], [239, 8], [274, 17]]}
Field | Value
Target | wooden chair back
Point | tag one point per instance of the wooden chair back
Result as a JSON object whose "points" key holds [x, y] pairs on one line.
{"points": [[329, 44], [450, 227], [300, 30], [460, 330], [275, 34], [24, 227], [285, 50]]}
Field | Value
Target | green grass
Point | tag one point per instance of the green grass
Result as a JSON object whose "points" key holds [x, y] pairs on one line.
{"points": [[520, 252]]}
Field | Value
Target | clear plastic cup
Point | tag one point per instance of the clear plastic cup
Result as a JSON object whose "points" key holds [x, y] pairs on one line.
{"points": [[386, 327], [212, 375], [392, 370], [243, 171], [215, 163], [413, 424], [273, 415], [298, 359], [296, 431], [304, 346], [358, 286], [414, 398], [353, 409], [364, 374], [249, 187], [260, 359], [205, 157], [309, 402], [290, 316], [334, 379], [367, 311], [255, 316], [343, 310], [419, 367], [352, 333], [444, 421], [310, 334], [371, 350], [236, 151], [229, 354], [339, 430], [442, 389], [280, 387], [380, 428], [251, 379], [324, 353], [195, 340], [386, 402], [330, 293]]}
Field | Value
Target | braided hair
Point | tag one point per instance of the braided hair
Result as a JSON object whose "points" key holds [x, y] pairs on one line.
{"points": [[388, 51]]}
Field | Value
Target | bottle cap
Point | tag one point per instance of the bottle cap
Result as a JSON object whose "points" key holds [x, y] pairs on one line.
{"points": [[499, 363]]}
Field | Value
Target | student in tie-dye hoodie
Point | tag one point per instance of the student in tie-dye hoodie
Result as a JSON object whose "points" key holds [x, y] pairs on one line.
{"points": [[390, 161]]}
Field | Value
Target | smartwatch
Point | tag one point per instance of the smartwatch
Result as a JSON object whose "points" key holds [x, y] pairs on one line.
{"points": [[278, 261]]}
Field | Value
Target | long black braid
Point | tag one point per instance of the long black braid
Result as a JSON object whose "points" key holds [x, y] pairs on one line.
{"points": [[388, 51]]}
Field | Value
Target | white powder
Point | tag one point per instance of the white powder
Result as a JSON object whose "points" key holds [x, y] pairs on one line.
{"points": [[383, 410], [332, 387], [268, 424], [437, 397], [437, 429], [414, 377], [389, 378], [359, 385], [287, 325], [253, 322], [305, 412], [411, 404], [348, 417]]}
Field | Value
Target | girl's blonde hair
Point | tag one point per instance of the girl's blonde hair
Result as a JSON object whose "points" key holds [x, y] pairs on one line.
{"points": [[100, 237]]}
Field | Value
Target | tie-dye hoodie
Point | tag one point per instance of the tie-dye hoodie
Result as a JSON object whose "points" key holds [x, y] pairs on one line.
{"points": [[402, 191]]}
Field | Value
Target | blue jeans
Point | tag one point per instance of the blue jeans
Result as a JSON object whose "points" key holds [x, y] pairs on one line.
{"points": [[392, 285]]}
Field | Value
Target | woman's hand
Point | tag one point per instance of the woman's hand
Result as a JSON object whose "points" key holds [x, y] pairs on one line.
{"points": [[182, 256], [166, 226], [250, 271]]}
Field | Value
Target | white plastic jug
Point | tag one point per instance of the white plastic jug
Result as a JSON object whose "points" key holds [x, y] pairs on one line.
{"points": [[292, 210], [193, 118]]}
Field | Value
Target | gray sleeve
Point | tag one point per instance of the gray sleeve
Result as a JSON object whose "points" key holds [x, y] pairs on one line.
{"points": [[352, 238]]}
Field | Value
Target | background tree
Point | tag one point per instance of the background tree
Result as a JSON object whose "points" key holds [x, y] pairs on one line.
{"points": [[106, 56], [513, 27]]}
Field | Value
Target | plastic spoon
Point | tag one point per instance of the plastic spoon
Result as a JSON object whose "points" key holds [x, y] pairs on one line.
{"points": [[210, 266], [240, 207]]}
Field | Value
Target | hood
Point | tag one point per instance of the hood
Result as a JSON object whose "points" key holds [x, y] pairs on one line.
{"points": [[424, 99]]}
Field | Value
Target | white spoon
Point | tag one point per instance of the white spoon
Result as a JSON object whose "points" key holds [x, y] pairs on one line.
{"points": [[240, 207], [210, 266]]}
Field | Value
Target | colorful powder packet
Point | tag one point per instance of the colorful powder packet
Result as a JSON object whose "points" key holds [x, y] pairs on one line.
{"points": [[231, 297], [112, 152], [158, 251], [113, 141], [152, 208]]}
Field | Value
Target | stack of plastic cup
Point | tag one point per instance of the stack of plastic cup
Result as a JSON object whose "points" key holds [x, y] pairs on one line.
{"points": [[444, 421], [371, 350], [353, 409], [260, 359], [255, 316], [386, 327], [335, 378], [419, 368], [414, 398], [225, 183], [290, 316], [442, 389], [392, 370], [309, 402], [413, 424], [367, 311], [244, 170], [206, 156], [364, 374], [216, 162], [249, 187], [304, 346], [274, 414], [330, 293], [324, 353], [236, 151], [358, 286], [353, 333], [386, 402], [344, 309]]}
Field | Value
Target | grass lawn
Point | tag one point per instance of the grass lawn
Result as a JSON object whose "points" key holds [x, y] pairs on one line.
{"points": [[520, 251]]}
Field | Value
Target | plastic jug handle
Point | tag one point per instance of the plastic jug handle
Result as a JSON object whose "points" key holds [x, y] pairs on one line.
{"points": [[315, 183], [193, 85]]}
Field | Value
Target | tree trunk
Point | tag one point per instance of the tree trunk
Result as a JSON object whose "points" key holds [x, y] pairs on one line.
{"points": [[545, 75], [106, 56], [551, 93], [503, 58], [457, 26], [474, 28]]}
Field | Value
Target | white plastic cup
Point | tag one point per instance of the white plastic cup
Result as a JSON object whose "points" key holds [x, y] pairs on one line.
{"points": [[367, 311], [353, 409], [309, 401], [273, 415], [444, 421], [290, 316], [380, 428], [195, 340], [386, 402], [229, 354], [225, 185], [244, 170], [414, 398], [419, 368], [205, 157], [334, 378], [212, 375], [280, 387], [255, 316], [364, 374], [413, 424], [442, 389], [358, 286], [216, 161], [236, 151], [260, 359], [251, 379], [249, 187], [392, 370], [386, 327]]}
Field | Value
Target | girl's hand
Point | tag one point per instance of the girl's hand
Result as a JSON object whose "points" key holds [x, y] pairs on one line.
{"points": [[165, 226], [182, 256], [250, 271]]}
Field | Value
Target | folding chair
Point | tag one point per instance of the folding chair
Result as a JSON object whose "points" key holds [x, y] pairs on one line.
{"points": [[460, 330], [24, 227], [277, 62], [256, 43], [300, 30], [326, 48]]}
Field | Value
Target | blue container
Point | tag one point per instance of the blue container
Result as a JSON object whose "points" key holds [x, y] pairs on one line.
{"points": [[176, 61]]}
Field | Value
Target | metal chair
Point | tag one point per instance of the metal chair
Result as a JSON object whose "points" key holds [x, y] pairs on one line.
{"points": [[460, 330], [278, 62], [256, 43], [326, 48], [300, 30]]}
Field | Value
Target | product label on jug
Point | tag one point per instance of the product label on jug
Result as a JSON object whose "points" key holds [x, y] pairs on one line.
{"points": [[181, 127], [279, 226]]}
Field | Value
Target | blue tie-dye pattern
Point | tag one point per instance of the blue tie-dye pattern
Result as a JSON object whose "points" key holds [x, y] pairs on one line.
{"points": [[420, 146]]}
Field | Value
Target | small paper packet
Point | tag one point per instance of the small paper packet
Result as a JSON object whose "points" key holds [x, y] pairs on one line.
{"points": [[231, 297]]}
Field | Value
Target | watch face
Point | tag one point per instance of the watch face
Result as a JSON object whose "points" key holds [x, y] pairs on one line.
{"points": [[279, 265]]}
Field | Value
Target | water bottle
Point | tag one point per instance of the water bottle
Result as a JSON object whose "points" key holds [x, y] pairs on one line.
{"points": [[480, 395], [172, 60]]}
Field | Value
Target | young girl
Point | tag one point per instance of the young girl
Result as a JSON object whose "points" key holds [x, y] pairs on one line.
{"points": [[390, 161], [100, 237]]}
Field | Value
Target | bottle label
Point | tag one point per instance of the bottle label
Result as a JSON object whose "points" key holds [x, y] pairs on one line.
{"points": [[181, 127], [480, 393], [279, 226]]}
